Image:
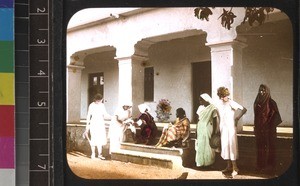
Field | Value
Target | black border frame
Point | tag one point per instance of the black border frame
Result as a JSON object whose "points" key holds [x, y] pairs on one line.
{"points": [[63, 10]]}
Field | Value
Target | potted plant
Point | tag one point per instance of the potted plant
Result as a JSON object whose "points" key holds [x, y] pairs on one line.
{"points": [[163, 110]]}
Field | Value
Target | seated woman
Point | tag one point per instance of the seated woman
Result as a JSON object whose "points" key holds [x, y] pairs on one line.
{"points": [[148, 127], [178, 131]]}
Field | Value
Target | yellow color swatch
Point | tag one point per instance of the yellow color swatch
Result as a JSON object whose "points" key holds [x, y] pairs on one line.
{"points": [[7, 96]]}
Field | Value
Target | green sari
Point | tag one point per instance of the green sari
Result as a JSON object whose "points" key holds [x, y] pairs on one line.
{"points": [[205, 155]]}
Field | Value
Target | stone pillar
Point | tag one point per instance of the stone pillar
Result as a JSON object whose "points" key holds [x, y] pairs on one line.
{"points": [[74, 93], [226, 61], [237, 71], [125, 79], [131, 80], [138, 65]]}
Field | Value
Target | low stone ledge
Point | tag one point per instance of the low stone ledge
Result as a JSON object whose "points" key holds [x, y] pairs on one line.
{"points": [[146, 158], [152, 149], [75, 141]]}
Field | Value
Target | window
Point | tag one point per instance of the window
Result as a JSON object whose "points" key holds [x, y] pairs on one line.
{"points": [[149, 84]]}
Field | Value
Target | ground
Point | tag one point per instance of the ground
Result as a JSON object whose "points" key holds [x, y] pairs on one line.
{"points": [[85, 167]]}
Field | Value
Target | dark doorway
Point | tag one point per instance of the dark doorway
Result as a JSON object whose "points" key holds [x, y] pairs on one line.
{"points": [[201, 84], [96, 84], [149, 84]]}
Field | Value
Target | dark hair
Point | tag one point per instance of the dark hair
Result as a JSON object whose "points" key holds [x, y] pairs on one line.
{"points": [[223, 92], [180, 112], [98, 97]]}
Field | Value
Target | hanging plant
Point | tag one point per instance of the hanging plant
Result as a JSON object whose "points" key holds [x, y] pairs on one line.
{"points": [[252, 15], [227, 18], [202, 13]]}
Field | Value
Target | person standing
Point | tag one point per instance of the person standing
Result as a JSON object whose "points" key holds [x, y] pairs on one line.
{"points": [[148, 127], [119, 125], [207, 125], [266, 119], [96, 125], [179, 131], [228, 122]]}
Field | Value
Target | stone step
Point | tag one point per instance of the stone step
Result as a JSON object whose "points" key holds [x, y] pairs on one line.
{"points": [[152, 149], [147, 158]]}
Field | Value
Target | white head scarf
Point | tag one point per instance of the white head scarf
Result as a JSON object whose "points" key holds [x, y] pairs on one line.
{"points": [[143, 107], [207, 98]]}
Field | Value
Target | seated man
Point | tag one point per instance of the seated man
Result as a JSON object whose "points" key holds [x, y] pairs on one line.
{"points": [[179, 131]]}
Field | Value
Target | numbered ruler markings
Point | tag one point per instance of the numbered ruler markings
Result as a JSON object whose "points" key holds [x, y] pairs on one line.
{"points": [[39, 168], [39, 92], [38, 99], [36, 160]]}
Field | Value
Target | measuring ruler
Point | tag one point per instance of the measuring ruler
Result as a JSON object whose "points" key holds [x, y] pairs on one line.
{"points": [[40, 164]]}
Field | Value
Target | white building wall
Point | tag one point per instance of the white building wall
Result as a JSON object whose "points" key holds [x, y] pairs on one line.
{"points": [[264, 60], [127, 31], [96, 63], [262, 63], [172, 70], [268, 60]]}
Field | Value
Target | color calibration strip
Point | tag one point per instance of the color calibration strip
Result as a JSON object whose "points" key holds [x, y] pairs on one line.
{"points": [[7, 94]]}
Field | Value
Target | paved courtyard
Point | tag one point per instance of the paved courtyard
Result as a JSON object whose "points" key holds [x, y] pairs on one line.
{"points": [[84, 167]]}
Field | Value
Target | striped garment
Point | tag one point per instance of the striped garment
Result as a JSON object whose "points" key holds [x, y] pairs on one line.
{"points": [[178, 130]]}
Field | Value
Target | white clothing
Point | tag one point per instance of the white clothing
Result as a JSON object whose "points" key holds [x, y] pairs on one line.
{"points": [[117, 128], [229, 144], [207, 98], [96, 125]]}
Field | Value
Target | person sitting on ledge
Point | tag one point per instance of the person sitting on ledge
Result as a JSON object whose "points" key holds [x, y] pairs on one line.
{"points": [[179, 131], [148, 127]]}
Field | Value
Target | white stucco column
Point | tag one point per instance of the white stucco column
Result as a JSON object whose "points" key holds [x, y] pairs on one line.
{"points": [[74, 93], [131, 80], [138, 66], [125, 79], [226, 61]]}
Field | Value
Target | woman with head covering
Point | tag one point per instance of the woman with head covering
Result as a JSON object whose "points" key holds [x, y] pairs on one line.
{"points": [[228, 123], [266, 119], [207, 125], [148, 127], [118, 125], [96, 125], [179, 131]]}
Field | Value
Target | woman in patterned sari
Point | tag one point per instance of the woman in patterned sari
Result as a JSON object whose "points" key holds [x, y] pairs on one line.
{"points": [[178, 131]]}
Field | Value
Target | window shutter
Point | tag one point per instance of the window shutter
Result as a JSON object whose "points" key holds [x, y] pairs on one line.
{"points": [[149, 84]]}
